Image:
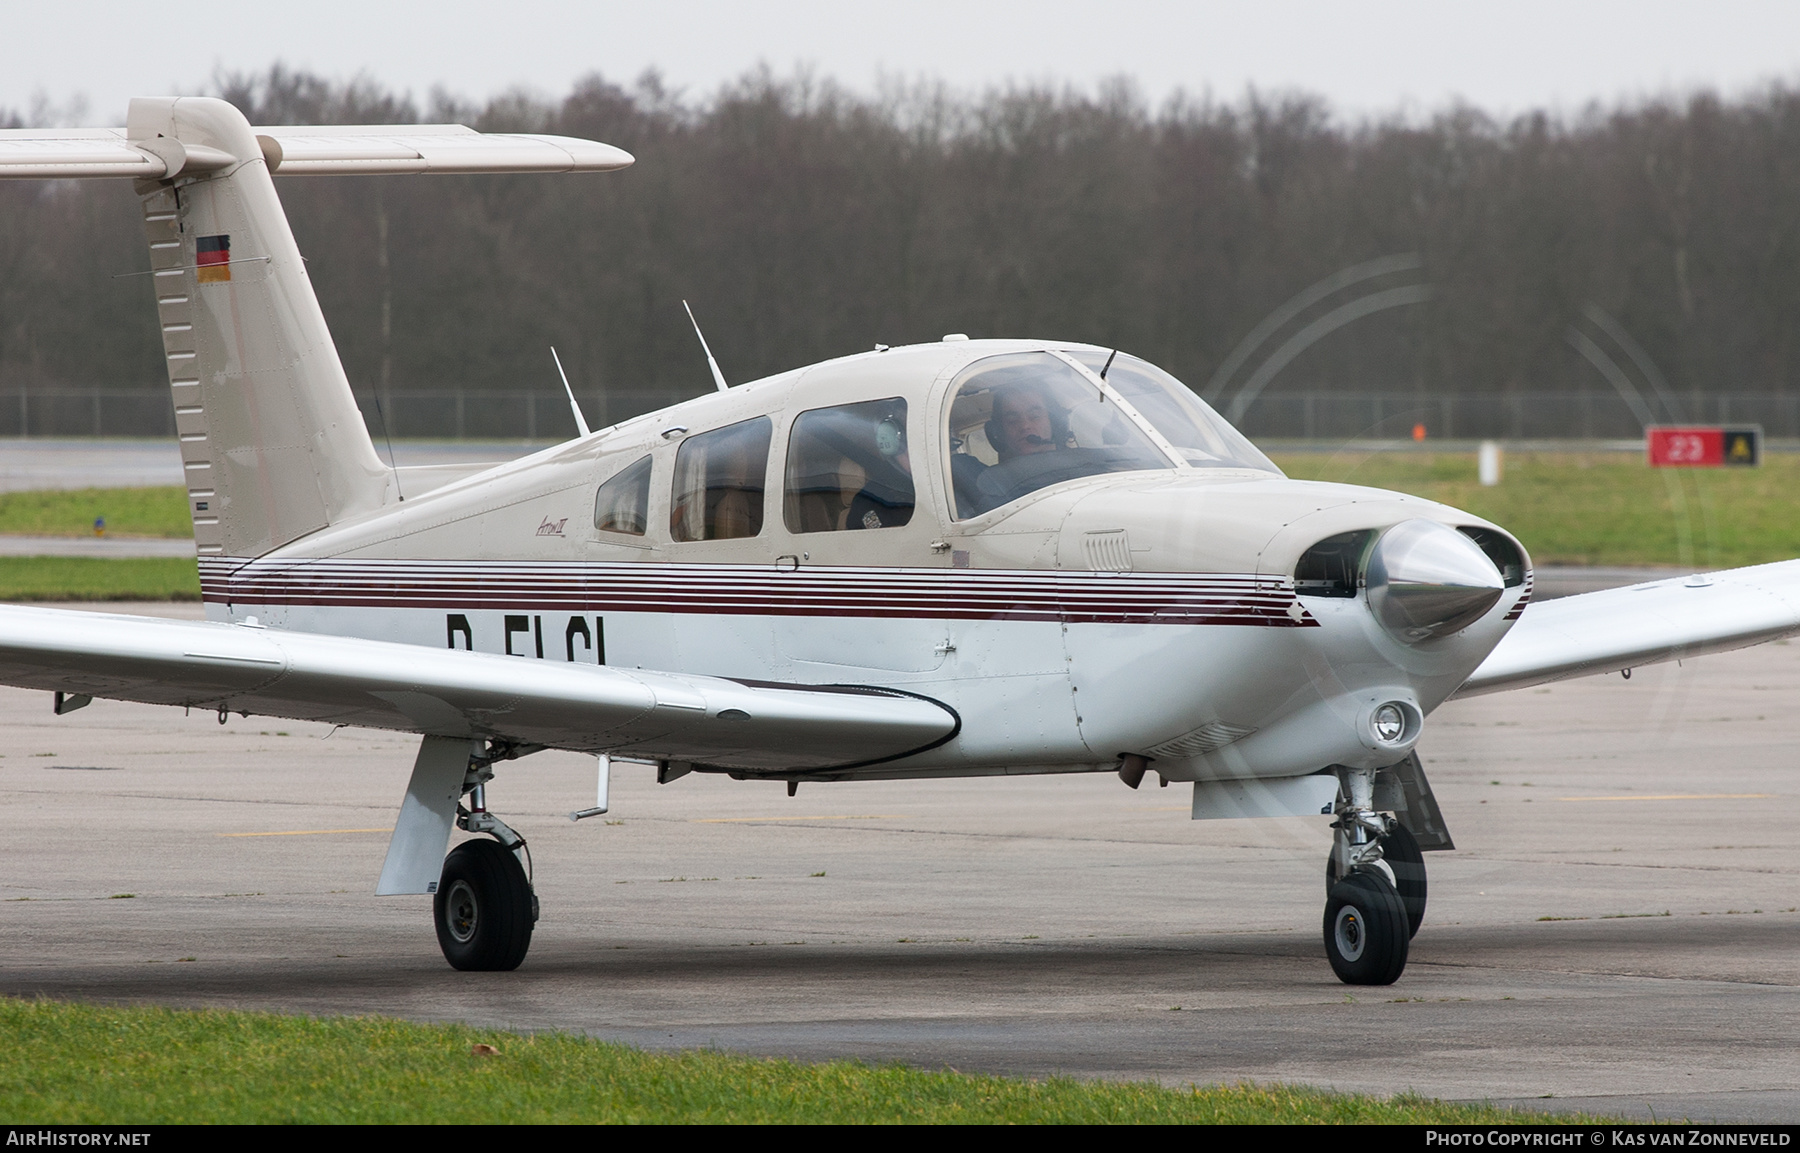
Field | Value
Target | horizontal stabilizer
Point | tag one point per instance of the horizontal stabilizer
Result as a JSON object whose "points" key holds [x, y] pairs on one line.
{"points": [[708, 721], [332, 150], [1603, 632]]}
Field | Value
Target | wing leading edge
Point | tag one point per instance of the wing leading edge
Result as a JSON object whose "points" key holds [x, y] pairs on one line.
{"points": [[709, 721], [1602, 632]]}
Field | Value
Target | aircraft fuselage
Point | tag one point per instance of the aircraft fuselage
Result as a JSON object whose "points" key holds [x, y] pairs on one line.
{"points": [[1146, 612]]}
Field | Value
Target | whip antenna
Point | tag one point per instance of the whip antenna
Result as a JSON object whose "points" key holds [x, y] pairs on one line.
{"points": [[718, 377], [580, 421]]}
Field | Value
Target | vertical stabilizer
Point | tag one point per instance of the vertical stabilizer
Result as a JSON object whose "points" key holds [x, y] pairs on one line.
{"points": [[271, 440]]}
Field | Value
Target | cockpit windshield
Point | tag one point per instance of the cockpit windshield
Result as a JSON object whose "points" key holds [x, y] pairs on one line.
{"points": [[1024, 421], [1185, 421]]}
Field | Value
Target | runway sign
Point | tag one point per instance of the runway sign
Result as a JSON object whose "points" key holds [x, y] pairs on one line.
{"points": [[1688, 447]]}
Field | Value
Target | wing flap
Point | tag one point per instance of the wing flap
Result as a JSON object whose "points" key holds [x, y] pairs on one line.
{"points": [[629, 712], [1602, 632]]}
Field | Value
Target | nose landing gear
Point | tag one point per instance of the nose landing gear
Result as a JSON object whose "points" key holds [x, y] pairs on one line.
{"points": [[1375, 888]]}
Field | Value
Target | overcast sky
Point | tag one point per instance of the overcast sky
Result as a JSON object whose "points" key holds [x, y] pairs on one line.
{"points": [[1367, 58]]}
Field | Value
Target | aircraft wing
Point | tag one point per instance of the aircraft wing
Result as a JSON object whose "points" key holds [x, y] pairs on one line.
{"points": [[1602, 632], [711, 721]]}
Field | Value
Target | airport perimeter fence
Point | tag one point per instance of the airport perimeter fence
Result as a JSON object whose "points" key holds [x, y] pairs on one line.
{"points": [[541, 414]]}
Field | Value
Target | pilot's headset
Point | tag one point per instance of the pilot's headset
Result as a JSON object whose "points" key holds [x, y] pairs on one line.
{"points": [[890, 437], [1060, 431]]}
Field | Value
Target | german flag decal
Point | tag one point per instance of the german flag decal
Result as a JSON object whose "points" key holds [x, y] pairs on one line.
{"points": [[213, 256]]}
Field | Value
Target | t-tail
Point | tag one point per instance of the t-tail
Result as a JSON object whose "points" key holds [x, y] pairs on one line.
{"points": [[273, 446]]}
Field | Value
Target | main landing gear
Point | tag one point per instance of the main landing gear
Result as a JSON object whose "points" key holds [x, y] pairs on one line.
{"points": [[1375, 888], [485, 907]]}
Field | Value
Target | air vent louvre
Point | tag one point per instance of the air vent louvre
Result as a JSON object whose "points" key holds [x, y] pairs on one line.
{"points": [[1205, 739], [1108, 551]]}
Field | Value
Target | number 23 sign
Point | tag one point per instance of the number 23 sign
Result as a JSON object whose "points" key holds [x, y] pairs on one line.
{"points": [[1692, 447]]}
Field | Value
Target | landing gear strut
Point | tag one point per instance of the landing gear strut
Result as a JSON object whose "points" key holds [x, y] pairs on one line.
{"points": [[1375, 888], [485, 907]]}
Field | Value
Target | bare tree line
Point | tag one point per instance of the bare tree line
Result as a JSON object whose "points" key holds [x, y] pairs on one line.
{"points": [[803, 222]]}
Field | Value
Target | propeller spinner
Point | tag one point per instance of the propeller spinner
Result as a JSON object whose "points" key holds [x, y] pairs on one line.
{"points": [[1427, 580]]}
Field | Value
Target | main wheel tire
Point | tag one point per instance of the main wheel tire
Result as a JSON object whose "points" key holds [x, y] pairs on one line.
{"points": [[1365, 930], [483, 908], [1400, 849]]}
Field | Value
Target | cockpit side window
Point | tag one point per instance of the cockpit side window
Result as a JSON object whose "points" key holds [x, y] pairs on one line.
{"points": [[623, 503], [1203, 437], [719, 482], [1024, 421], [848, 467]]}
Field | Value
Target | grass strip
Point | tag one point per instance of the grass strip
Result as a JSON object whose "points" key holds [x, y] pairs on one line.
{"points": [[69, 578], [1602, 508], [81, 1064], [71, 512]]}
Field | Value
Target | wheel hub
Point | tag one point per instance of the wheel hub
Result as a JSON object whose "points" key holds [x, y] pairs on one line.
{"points": [[462, 912], [1350, 936]]}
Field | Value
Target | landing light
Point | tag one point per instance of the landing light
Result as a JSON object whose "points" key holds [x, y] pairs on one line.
{"points": [[1390, 723]]}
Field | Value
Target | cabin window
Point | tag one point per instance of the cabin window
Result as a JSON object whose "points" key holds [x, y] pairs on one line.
{"points": [[719, 482], [1203, 437], [1024, 421], [848, 468], [623, 503]]}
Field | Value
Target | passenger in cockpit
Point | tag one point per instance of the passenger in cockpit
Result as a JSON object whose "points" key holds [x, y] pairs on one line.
{"points": [[886, 501]]}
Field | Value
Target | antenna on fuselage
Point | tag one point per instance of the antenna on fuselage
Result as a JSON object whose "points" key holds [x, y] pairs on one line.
{"points": [[718, 377], [581, 424]]}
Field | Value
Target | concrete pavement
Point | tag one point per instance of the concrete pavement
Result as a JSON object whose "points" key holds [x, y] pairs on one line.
{"points": [[1619, 926]]}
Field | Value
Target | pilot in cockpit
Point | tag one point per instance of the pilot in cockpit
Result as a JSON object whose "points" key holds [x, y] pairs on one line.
{"points": [[1024, 423]]}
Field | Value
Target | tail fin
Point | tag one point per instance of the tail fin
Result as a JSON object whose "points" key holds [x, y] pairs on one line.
{"points": [[271, 440]]}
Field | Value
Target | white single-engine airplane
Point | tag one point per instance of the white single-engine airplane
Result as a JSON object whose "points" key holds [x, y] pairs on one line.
{"points": [[968, 558]]}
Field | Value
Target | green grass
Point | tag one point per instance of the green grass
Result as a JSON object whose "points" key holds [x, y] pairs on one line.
{"points": [[67, 578], [1602, 508], [128, 512], [77, 1064]]}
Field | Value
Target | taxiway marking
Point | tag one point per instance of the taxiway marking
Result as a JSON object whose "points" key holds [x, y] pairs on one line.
{"points": [[1680, 797], [735, 820], [305, 832]]}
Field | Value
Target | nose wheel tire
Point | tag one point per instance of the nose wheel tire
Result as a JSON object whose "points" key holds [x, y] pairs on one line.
{"points": [[1366, 934], [1400, 849], [483, 908]]}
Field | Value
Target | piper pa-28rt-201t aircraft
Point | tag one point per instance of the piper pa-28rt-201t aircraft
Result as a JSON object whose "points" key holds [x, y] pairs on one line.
{"points": [[965, 558]]}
